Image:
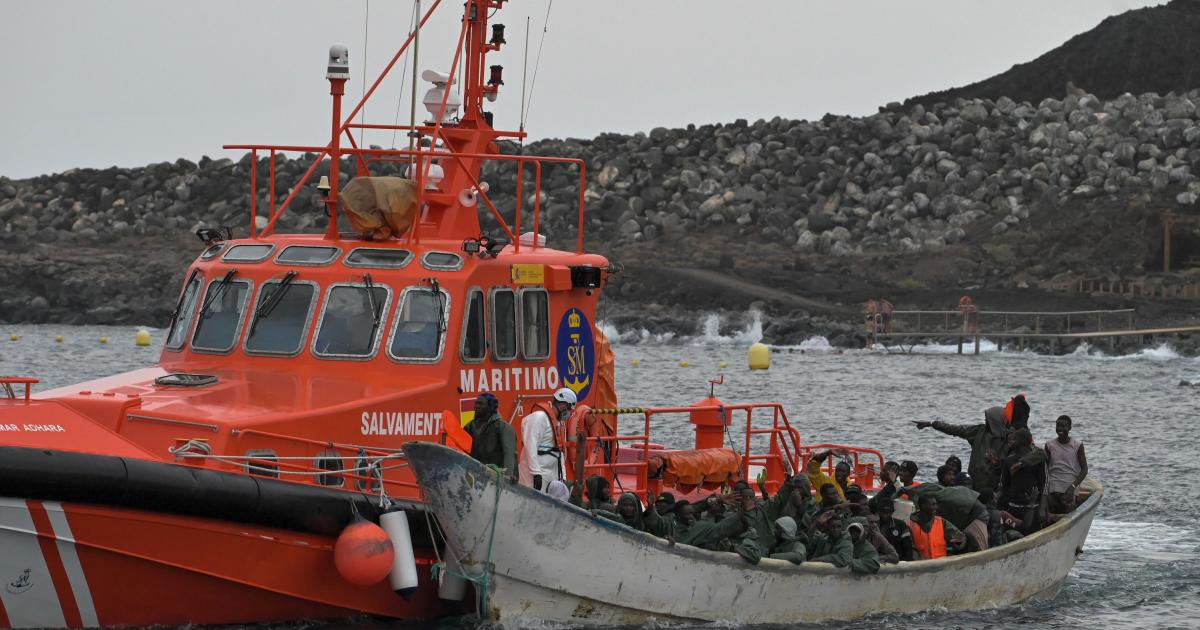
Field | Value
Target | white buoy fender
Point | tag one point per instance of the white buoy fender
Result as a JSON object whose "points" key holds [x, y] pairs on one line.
{"points": [[452, 587], [403, 577]]}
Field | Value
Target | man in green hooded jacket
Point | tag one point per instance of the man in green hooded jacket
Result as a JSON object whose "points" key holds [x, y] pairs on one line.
{"points": [[788, 545], [629, 512], [831, 544], [987, 440], [864, 558], [493, 440], [686, 529]]}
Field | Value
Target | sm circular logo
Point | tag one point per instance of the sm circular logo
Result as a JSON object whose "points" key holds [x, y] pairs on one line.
{"points": [[576, 355]]}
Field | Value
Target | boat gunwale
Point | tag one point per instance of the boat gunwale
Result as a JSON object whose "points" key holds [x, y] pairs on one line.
{"points": [[1036, 539]]}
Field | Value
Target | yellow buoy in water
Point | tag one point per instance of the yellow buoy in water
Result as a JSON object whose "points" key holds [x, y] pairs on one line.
{"points": [[104, 340], [635, 362], [14, 338], [142, 338], [722, 365], [683, 363], [58, 339], [759, 356]]}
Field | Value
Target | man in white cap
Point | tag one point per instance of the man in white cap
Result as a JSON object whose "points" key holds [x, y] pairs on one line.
{"points": [[541, 453]]}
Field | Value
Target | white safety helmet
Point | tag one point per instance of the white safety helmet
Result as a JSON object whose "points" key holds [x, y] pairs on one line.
{"points": [[566, 395]]}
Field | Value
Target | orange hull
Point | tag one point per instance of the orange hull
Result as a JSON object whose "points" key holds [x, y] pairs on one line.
{"points": [[73, 565]]}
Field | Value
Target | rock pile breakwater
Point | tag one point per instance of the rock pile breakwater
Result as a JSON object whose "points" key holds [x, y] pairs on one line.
{"points": [[893, 181]]}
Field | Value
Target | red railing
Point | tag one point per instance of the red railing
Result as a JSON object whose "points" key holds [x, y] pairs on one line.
{"points": [[783, 457], [423, 156], [6, 383]]}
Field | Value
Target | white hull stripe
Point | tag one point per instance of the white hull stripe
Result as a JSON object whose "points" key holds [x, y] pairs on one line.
{"points": [[26, 588], [70, 559]]}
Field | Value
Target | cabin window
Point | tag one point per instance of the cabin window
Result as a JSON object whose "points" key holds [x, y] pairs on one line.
{"points": [[281, 317], [420, 325], [351, 321], [504, 324], [442, 261], [474, 342], [182, 321], [331, 462], [378, 257], [535, 323], [247, 253], [220, 318], [212, 251], [262, 462], [306, 255]]}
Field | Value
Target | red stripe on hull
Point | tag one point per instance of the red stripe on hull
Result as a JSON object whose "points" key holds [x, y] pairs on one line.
{"points": [[4, 622], [58, 572], [156, 569]]}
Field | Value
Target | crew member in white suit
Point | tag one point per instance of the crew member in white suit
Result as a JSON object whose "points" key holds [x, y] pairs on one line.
{"points": [[541, 453]]}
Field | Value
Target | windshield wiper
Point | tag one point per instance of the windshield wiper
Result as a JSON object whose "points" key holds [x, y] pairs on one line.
{"points": [[376, 311], [276, 296], [216, 293], [179, 303], [436, 289], [273, 299]]}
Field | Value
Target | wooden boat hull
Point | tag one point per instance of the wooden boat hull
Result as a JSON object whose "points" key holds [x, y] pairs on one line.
{"points": [[552, 561], [78, 565]]}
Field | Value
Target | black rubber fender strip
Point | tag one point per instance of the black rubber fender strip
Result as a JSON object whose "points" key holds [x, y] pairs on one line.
{"points": [[52, 475]]}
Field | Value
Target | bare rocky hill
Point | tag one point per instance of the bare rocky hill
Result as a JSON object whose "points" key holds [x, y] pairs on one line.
{"points": [[1154, 49]]}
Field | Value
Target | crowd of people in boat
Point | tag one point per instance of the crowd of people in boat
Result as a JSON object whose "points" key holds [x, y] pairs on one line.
{"points": [[1010, 489]]}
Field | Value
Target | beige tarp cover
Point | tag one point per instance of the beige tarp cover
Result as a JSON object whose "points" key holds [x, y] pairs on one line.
{"points": [[375, 203]]}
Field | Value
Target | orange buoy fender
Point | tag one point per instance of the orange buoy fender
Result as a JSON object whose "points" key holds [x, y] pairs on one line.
{"points": [[403, 576], [363, 552]]}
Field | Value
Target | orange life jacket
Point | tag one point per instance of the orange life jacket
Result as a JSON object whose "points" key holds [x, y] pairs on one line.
{"points": [[931, 545]]}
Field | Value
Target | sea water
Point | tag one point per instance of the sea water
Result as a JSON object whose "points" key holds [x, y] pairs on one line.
{"points": [[1138, 420]]}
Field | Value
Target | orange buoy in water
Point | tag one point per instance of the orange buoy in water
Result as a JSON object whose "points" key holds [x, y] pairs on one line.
{"points": [[363, 552]]}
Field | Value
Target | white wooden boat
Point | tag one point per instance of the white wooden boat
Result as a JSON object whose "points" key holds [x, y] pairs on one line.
{"points": [[550, 561]]}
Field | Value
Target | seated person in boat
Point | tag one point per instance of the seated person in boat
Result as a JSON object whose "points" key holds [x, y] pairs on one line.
{"points": [[960, 478], [665, 504], [887, 553], [831, 501], [1001, 524], [761, 516], [1066, 468], [894, 530], [858, 500], [933, 536], [987, 439], [841, 475], [713, 508], [788, 544], [493, 440], [864, 559], [630, 514], [946, 476], [889, 482], [817, 477], [1022, 478], [907, 474], [831, 544], [686, 529], [960, 506], [599, 494]]}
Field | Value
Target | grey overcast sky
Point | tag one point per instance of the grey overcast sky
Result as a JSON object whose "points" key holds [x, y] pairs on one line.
{"points": [[128, 82]]}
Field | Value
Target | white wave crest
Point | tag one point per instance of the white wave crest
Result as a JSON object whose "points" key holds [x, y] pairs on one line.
{"points": [[710, 331]]}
